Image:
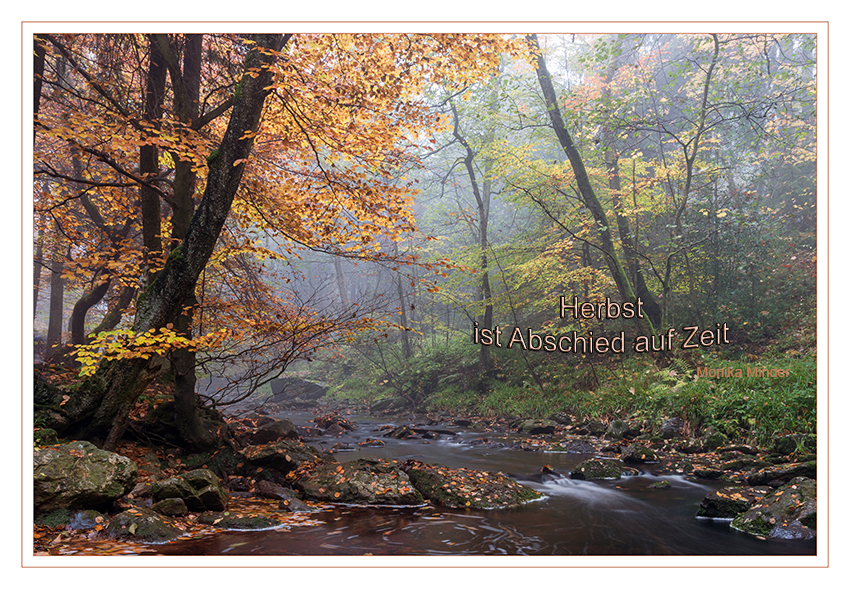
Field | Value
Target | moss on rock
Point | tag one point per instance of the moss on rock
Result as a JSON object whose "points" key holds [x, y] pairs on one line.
{"points": [[468, 488], [141, 525], [596, 469]]}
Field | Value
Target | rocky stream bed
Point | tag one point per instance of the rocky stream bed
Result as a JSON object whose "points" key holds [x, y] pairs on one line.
{"points": [[303, 481]]}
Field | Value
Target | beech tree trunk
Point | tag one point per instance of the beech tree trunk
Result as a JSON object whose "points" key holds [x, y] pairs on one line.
{"points": [[149, 157], [38, 260], [186, 84], [57, 303], [103, 401], [77, 324]]}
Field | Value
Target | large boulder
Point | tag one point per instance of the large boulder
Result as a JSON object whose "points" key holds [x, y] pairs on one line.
{"points": [[789, 512], [466, 488], [364, 481], [199, 489], [78, 475]]}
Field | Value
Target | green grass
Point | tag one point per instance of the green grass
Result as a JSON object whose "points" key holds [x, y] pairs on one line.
{"points": [[535, 384]]}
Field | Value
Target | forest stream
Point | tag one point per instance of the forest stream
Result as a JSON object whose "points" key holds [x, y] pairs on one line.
{"points": [[616, 517]]}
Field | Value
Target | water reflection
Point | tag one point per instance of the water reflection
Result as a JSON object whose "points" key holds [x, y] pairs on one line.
{"points": [[622, 517]]}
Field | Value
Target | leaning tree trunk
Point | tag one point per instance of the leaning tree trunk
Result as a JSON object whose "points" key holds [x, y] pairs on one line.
{"points": [[588, 195], [103, 401]]}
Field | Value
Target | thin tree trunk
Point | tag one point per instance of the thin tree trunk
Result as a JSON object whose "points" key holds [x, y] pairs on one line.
{"points": [[406, 351], [116, 309], [340, 282], [149, 160], [38, 261], [57, 295], [482, 202], [77, 323], [653, 310], [589, 198]]}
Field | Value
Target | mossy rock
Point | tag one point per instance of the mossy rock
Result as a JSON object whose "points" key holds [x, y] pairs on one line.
{"points": [[283, 455], [728, 502], [360, 482], [467, 488], [535, 427], [619, 429], [744, 464], [595, 428], [173, 507], [778, 475], [79, 475], [660, 485], [55, 518], [44, 436], [637, 454], [199, 489], [228, 521], [141, 525], [573, 447], [791, 443], [596, 469], [788, 513], [714, 440]]}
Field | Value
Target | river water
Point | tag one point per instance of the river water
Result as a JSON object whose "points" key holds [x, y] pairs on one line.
{"points": [[623, 517]]}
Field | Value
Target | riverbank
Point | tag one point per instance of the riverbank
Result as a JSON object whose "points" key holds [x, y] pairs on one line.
{"points": [[542, 455]]}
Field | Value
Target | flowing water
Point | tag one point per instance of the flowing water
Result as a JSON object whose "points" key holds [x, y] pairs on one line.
{"points": [[623, 517]]}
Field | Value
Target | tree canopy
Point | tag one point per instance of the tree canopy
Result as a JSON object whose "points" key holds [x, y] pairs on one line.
{"points": [[235, 204]]}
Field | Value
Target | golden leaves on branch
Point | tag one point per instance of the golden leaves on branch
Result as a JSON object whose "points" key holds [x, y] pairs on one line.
{"points": [[127, 344]]}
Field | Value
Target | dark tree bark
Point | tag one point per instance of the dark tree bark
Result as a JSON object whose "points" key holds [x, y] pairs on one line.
{"points": [[77, 323], [38, 261], [650, 305], [149, 156], [186, 84], [588, 195], [39, 54], [57, 302], [103, 401], [116, 309]]}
